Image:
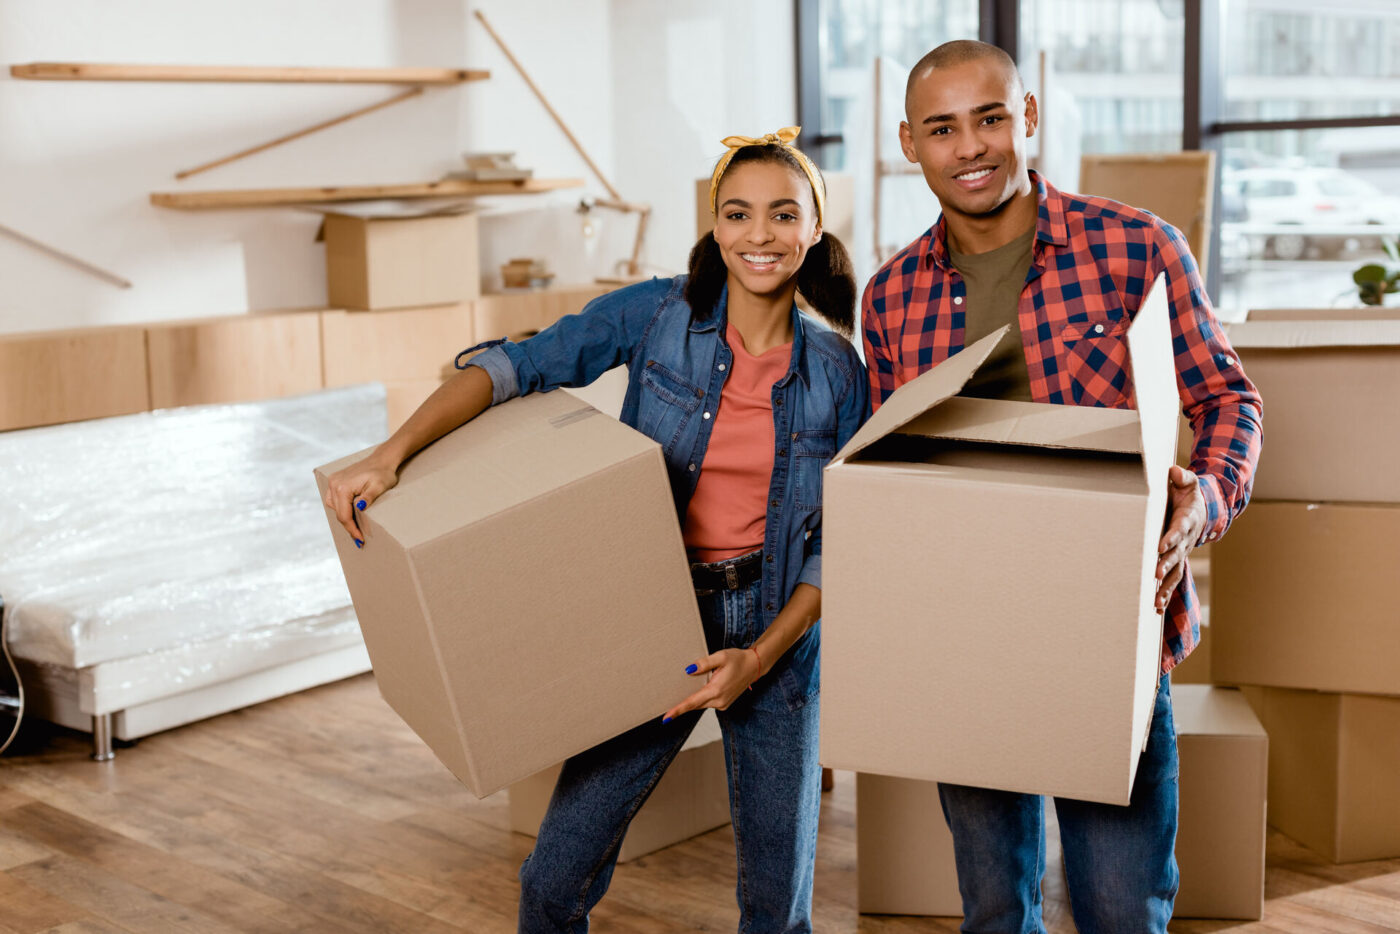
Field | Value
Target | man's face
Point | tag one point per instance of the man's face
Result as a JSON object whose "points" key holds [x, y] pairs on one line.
{"points": [[967, 128]]}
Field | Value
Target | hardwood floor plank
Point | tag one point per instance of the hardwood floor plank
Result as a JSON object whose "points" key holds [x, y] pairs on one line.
{"points": [[29, 908]]}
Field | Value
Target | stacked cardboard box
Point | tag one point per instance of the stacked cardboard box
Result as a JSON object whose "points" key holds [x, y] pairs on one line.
{"points": [[691, 798], [1299, 602], [400, 255]]}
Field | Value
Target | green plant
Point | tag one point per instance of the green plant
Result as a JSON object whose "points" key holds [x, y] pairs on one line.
{"points": [[1374, 281]]}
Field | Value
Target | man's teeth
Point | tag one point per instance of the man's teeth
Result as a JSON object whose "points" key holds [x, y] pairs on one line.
{"points": [[759, 258], [974, 176]]}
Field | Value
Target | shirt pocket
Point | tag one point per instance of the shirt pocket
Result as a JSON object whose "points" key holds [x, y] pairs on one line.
{"points": [[811, 450], [665, 404], [1096, 361]]}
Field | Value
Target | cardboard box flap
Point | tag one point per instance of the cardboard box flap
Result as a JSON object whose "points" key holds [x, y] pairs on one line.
{"points": [[1204, 710], [1154, 382], [1301, 335], [1002, 421], [1325, 314], [919, 395]]}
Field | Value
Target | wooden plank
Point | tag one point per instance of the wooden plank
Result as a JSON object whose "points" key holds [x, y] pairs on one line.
{"points": [[29, 908], [47, 378], [94, 71], [272, 197], [502, 313], [236, 359]]}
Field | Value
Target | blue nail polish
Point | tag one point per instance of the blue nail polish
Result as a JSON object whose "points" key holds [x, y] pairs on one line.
{"points": [[667, 719], [359, 544], [360, 505], [690, 669]]}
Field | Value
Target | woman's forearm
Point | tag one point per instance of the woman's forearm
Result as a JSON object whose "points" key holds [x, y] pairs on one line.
{"points": [[463, 397], [798, 615]]}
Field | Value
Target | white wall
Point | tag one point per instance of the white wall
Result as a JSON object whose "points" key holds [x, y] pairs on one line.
{"points": [[649, 87]]}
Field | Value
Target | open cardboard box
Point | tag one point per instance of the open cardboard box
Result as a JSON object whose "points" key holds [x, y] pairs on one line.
{"points": [[523, 591], [989, 580]]}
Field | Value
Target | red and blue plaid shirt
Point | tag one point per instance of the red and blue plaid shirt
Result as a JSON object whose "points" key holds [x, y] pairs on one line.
{"points": [[1091, 263]]}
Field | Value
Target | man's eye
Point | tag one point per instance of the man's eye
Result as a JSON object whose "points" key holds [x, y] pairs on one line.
{"points": [[994, 119], [940, 131]]}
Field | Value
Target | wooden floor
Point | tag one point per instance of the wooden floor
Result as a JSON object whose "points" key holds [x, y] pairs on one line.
{"points": [[322, 812]]}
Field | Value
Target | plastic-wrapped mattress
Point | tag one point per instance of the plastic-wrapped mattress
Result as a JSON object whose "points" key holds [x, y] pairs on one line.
{"points": [[195, 529]]}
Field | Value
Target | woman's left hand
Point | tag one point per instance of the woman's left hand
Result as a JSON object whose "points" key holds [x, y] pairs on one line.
{"points": [[730, 671]]}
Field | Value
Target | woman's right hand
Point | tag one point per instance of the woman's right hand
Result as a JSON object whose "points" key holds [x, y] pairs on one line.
{"points": [[353, 488]]}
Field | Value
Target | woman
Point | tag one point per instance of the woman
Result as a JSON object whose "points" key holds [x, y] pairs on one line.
{"points": [[748, 400]]}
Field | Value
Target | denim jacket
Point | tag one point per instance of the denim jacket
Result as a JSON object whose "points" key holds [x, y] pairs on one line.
{"points": [[677, 366]]}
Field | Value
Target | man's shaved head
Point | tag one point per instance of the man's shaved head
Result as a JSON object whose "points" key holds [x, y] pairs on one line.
{"points": [[958, 52]]}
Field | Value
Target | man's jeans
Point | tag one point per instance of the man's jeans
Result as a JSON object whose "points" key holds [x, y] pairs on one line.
{"points": [[1120, 862], [770, 749]]}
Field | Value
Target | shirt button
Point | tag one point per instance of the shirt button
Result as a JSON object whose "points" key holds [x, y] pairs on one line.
{"points": [[770, 608], [957, 300], [707, 414], [773, 503], [691, 468], [768, 558], [721, 366], [782, 452], [1228, 360], [1211, 536], [1098, 329]]}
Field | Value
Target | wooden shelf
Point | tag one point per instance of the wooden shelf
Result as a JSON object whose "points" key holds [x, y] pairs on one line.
{"points": [[271, 197], [88, 71]]}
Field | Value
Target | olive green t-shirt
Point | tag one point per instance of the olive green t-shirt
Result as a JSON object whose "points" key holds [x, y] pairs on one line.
{"points": [[994, 280]]}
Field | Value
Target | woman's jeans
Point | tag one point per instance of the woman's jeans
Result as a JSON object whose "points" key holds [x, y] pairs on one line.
{"points": [[770, 749], [1119, 861]]}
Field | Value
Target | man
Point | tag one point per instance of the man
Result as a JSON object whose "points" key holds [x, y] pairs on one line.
{"points": [[1069, 271]]}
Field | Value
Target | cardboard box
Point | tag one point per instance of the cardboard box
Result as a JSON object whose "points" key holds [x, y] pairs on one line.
{"points": [[524, 592], [1329, 390], [988, 598], [1299, 598], [400, 256], [502, 313], [1178, 187], [52, 377], [239, 358], [1334, 770], [1224, 754], [904, 850], [692, 797]]}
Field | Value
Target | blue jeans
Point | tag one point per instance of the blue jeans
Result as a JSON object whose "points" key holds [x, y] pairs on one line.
{"points": [[1120, 862], [770, 749]]}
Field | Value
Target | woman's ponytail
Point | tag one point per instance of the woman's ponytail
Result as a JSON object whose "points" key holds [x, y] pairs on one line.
{"points": [[828, 284]]}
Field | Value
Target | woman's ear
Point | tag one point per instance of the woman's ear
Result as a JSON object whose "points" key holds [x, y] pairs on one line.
{"points": [[816, 235]]}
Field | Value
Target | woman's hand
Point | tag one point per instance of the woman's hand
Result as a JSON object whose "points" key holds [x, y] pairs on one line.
{"points": [[730, 671], [352, 489]]}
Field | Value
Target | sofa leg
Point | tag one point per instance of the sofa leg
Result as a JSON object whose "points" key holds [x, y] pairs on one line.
{"points": [[102, 737]]}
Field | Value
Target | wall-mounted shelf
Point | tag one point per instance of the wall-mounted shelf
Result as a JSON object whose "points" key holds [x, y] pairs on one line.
{"points": [[272, 197], [89, 71]]}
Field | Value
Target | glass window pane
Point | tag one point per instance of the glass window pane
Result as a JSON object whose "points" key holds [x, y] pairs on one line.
{"points": [[1290, 59], [1301, 210], [1112, 78]]}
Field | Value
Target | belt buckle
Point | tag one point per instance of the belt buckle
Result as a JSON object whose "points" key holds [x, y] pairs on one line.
{"points": [[731, 577]]}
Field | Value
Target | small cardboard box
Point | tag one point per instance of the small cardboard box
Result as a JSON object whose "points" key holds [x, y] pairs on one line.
{"points": [[1224, 754], [1329, 389], [1299, 598], [1334, 770], [904, 850], [523, 592], [400, 256], [692, 797], [990, 576]]}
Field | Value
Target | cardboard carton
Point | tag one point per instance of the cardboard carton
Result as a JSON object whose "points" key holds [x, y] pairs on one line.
{"points": [[1334, 762], [691, 798], [989, 582], [904, 850], [523, 592], [1299, 598], [1178, 187], [1224, 754], [400, 256], [1329, 390]]}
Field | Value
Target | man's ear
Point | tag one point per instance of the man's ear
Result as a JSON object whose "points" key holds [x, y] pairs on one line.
{"points": [[1032, 115], [906, 141]]}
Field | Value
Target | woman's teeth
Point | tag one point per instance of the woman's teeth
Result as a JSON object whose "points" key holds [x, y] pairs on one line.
{"points": [[759, 259]]}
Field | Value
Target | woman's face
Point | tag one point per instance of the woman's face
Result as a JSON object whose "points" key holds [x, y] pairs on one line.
{"points": [[765, 222]]}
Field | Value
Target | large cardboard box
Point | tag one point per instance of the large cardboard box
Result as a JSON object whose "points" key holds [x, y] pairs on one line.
{"points": [[988, 598], [904, 850], [1224, 754], [1334, 770], [523, 592], [398, 256], [1299, 598], [1329, 389], [691, 798]]}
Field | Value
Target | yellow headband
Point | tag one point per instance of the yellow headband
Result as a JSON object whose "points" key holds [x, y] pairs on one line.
{"points": [[783, 137]]}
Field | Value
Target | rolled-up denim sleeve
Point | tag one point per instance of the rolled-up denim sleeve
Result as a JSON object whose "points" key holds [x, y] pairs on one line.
{"points": [[496, 362]]}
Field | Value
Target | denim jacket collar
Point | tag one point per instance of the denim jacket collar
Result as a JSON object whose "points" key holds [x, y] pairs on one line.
{"points": [[797, 363]]}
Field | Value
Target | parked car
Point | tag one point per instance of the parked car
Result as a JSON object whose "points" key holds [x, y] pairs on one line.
{"points": [[1329, 201]]}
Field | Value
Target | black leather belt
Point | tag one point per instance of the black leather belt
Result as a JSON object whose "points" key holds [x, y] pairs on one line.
{"points": [[734, 574]]}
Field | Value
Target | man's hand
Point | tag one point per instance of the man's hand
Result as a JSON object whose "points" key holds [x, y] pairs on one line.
{"points": [[730, 671], [1186, 518]]}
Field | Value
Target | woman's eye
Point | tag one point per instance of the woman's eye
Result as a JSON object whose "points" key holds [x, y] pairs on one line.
{"points": [[735, 216]]}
